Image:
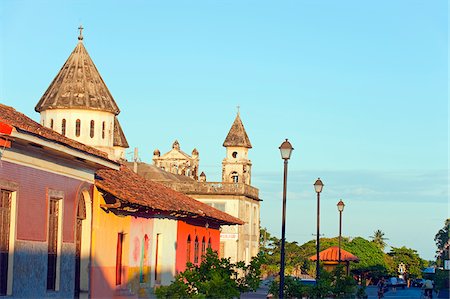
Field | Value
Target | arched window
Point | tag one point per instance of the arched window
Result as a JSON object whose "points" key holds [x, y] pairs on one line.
{"points": [[77, 127], [235, 177], [188, 249], [63, 127], [203, 246], [103, 130], [92, 129], [196, 250], [234, 154], [51, 123]]}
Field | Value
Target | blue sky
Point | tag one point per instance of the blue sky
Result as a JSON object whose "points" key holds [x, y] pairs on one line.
{"points": [[360, 89]]}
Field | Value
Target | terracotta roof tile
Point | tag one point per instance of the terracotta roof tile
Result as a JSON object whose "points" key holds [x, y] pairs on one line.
{"points": [[332, 255], [22, 122], [129, 187]]}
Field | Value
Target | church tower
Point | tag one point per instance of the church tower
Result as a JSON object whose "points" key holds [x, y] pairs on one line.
{"points": [[78, 104], [236, 167]]}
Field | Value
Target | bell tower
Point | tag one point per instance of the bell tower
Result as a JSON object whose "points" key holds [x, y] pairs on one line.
{"points": [[236, 167], [78, 105]]}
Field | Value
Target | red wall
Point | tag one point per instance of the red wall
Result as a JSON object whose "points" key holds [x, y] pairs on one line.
{"points": [[32, 200], [183, 231]]}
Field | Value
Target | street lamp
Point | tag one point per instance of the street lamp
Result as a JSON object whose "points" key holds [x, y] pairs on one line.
{"points": [[318, 185], [340, 206], [286, 151]]}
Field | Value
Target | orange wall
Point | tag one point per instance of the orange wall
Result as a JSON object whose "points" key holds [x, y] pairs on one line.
{"points": [[105, 229], [184, 230]]}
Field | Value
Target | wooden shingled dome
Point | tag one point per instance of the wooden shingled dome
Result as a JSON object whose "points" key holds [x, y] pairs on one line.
{"points": [[237, 136], [78, 85]]}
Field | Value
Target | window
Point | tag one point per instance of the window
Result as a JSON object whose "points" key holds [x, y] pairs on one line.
{"points": [[209, 243], [235, 177], [217, 205], [157, 265], [255, 221], [92, 129], [5, 220], [63, 127], [103, 130], [203, 246], [52, 251], [81, 216], [119, 258], [51, 123], [77, 127], [247, 216], [144, 260], [234, 154], [196, 250], [188, 249]]}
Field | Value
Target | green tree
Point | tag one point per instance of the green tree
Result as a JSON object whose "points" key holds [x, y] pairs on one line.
{"points": [[373, 262], [409, 257], [379, 239], [214, 278], [442, 240], [296, 258]]}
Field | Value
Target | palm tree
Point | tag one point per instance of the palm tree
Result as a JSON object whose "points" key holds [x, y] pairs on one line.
{"points": [[379, 239]]}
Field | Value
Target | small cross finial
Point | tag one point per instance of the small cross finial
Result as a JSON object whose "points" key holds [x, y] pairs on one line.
{"points": [[80, 37], [238, 107]]}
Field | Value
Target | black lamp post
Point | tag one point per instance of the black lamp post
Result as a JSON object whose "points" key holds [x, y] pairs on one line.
{"points": [[286, 151], [340, 206], [318, 185]]}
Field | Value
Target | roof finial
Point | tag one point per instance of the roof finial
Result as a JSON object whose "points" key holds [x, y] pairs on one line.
{"points": [[238, 107], [80, 37]]}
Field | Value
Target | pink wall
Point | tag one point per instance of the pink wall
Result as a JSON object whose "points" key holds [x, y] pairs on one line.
{"points": [[32, 201], [183, 231]]}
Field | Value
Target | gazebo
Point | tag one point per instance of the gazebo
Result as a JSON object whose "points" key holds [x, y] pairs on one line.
{"points": [[330, 258]]}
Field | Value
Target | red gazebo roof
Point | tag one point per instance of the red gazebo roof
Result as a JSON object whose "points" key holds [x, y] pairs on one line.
{"points": [[332, 255]]}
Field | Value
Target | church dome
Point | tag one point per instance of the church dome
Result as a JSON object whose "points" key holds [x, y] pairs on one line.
{"points": [[78, 85]]}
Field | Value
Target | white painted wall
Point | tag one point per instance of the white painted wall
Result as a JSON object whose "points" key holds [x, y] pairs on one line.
{"points": [[85, 117], [167, 230]]}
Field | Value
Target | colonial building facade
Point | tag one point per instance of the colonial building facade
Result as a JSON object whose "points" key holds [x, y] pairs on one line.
{"points": [[233, 195], [74, 221], [46, 187], [77, 104]]}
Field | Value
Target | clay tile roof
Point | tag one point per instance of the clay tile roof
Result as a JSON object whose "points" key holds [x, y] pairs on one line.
{"points": [[129, 187], [23, 123], [78, 85], [332, 255], [119, 136], [237, 136], [154, 173]]}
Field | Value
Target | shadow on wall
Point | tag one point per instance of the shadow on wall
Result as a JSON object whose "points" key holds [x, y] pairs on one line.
{"points": [[31, 274]]}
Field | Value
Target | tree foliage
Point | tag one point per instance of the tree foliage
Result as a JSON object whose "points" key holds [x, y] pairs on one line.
{"points": [[214, 278], [409, 257], [442, 240], [336, 284], [379, 239]]}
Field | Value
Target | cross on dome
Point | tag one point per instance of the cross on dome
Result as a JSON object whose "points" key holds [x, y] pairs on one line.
{"points": [[80, 37]]}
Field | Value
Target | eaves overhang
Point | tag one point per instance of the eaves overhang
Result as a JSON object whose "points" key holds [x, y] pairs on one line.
{"points": [[61, 149]]}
